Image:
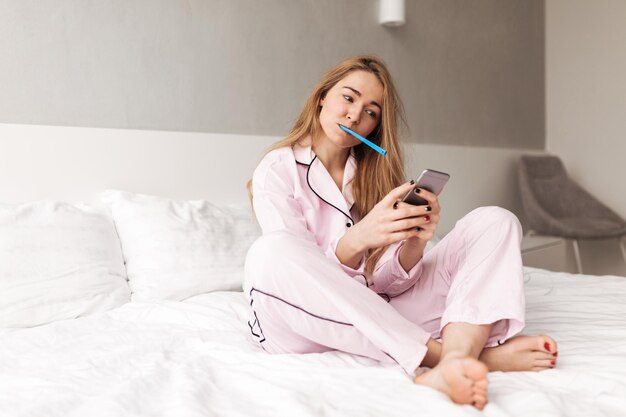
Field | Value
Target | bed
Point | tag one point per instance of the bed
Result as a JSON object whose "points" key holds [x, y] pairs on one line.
{"points": [[140, 331], [196, 358]]}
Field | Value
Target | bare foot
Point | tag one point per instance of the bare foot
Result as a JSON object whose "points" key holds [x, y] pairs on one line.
{"points": [[521, 353], [463, 379]]}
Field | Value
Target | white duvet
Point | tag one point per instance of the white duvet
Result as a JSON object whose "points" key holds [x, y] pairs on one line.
{"points": [[195, 358]]}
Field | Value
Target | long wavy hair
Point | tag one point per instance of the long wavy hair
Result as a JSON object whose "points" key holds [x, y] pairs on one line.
{"points": [[375, 175]]}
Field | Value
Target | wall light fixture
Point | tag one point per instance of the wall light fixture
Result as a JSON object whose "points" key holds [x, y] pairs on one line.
{"points": [[391, 13]]}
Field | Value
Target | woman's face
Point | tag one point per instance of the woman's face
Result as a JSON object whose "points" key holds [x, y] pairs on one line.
{"points": [[355, 102]]}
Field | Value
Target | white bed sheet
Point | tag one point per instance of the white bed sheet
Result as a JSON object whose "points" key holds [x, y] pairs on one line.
{"points": [[195, 358]]}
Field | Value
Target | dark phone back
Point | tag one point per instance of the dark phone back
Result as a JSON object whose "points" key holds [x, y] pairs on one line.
{"points": [[430, 180]]}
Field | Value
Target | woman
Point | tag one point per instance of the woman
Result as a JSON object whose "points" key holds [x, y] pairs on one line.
{"points": [[341, 263]]}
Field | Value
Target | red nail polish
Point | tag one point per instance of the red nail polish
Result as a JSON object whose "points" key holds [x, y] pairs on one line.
{"points": [[555, 354], [427, 218], [552, 363], [547, 346]]}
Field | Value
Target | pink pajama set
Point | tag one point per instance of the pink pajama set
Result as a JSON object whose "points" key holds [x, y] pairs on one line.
{"points": [[304, 300]]}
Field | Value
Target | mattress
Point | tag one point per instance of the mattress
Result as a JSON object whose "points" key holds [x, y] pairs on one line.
{"points": [[196, 358]]}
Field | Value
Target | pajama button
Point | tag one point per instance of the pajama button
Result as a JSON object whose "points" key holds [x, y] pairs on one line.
{"points": [[348, 224]]}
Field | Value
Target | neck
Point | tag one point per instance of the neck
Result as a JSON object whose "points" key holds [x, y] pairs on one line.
{"points": [[333, 157]]}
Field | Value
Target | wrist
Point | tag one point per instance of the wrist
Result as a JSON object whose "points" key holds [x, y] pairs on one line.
{"points": [[353, 243], [415, 243], [411, 253], [348, 251]]}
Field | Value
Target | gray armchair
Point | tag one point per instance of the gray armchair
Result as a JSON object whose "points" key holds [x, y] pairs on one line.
{"points": [[557, 206]]}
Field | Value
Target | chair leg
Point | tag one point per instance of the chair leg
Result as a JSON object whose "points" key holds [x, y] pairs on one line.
{"points": [[579, 264], [622, 247]]}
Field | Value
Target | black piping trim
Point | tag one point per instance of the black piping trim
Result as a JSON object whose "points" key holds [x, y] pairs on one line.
{"points": [[392, 358], [256, 321], [302, 163], [300, 308], [319, 196], [251, 326], [309, 313], [364, 279]]}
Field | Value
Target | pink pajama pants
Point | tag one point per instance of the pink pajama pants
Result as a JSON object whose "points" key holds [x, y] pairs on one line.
{"points": [[303, 302]]}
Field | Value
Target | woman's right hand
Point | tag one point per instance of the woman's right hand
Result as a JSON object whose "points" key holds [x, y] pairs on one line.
{"points": [[388, 222]]}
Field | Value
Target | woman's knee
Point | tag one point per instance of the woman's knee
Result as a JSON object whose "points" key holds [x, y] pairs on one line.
{"points": [[494, 215], [273, 252], [268, 247]]}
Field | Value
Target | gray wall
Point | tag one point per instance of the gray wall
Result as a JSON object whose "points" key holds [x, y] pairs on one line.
{"points": [[469, 72], [586, 107]]}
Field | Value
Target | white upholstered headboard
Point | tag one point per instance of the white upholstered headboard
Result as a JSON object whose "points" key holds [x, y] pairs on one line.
{"points": [[74, 163]]}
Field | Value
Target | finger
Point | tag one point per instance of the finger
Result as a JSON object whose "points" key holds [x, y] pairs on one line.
{"points": [[422, 217], [406, 234], [429, 206], [410, 223], [425, 234], [431, 220], [398, 193], [417, 232], [405, 210], [409, 210], [426, 195]]}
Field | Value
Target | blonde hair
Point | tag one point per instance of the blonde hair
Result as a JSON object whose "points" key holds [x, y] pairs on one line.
{"points": [[375, 175]]}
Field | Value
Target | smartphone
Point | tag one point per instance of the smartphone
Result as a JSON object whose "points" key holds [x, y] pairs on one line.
{"points": [[430, 180]]}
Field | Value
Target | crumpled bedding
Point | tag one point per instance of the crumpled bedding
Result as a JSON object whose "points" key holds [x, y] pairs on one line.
{"points": [[196, 358]]}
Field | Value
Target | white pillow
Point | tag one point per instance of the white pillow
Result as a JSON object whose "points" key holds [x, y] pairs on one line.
{"points": [[58, 261], [177, 249]]}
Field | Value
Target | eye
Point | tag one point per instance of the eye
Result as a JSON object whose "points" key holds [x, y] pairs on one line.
{"points": [[348, 98], [371, 113]]}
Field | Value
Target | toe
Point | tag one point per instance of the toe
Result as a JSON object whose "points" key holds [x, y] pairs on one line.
{"points": [[541, 343], [545, 363], [463, 385], [482, 384], [547, 344], [479, 401], [540, 355]]}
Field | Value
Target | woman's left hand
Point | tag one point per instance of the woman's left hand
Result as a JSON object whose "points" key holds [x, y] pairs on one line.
{"points": [[430, 217]]}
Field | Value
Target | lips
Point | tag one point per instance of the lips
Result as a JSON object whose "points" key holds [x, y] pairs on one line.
{"points": [[342, 131]]}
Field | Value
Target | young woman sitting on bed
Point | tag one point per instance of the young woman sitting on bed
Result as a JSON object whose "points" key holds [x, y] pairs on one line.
{"points": [[341, 263]]}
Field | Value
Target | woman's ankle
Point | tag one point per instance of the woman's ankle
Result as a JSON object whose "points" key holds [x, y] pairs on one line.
{"points": [[455, 353], [431, 359]]}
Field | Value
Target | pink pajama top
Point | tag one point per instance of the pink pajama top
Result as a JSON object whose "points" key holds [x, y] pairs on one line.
{"points": [[293, 192]]}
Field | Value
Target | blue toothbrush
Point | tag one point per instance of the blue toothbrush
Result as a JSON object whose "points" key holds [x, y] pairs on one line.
{"points": [[365, 141]]}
